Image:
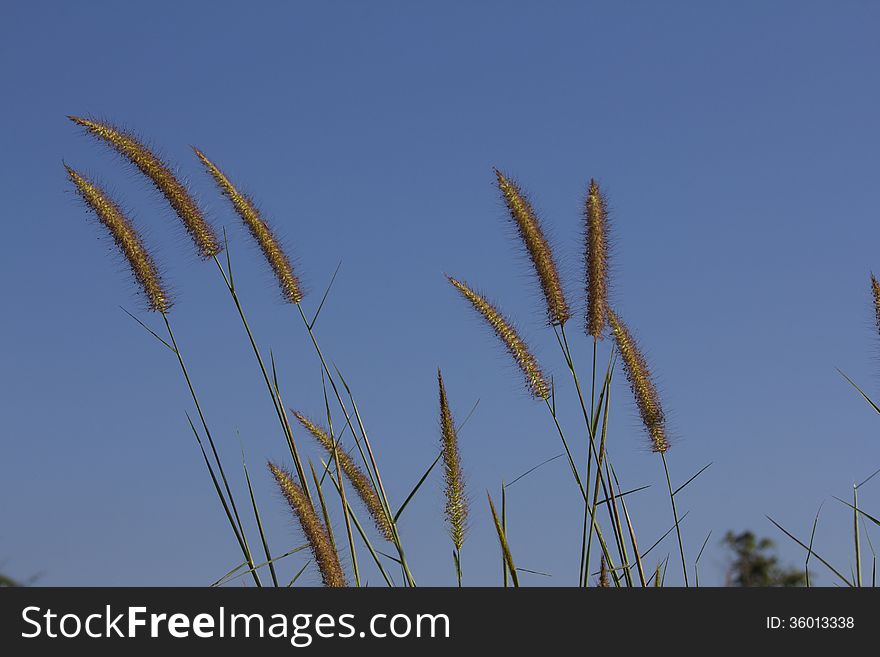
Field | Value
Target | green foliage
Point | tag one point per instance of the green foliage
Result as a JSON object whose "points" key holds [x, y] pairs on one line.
{"points": [[754, 564]]}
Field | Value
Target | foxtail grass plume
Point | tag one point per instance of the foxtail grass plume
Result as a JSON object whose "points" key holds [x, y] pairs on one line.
{"points": [[160, 173], [529, 227], [596, 261], [453, 479], [259, 229], [127, 239], [314, 530], [507, 334], [359, 480], [639, 376], [875, 289]]}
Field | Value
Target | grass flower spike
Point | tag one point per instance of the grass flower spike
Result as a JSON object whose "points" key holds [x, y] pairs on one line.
{"points": [[453, 479], [529, 227], [596, 261], [126, 238], [160, 173], [354, 474], [508, 335], [259, 229], [315, 532], [646, 397], [875, 289]]}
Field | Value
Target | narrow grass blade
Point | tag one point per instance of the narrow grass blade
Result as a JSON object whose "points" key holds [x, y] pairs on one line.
{"points": [[148, 329], [504, 527], [675, 516], [531, 470], [229, 516], [861, 392], [701, 471], [301, 571], [229, 574], [821, 560], [415, 489], [697, 561], [861, 511], [311, 324], [668, 532], [232, 574], [505, 548], [625, 493], [259, 522]]}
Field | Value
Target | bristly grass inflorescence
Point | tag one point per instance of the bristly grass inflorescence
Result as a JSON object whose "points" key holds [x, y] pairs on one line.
{"points": [[314, 530], [529, 228], [639, 376], [535, 380], [201, 232], [359, 480], [596, 261], [453, 478], [875, 291], [260, 230], [126, 238], [363, 474]]}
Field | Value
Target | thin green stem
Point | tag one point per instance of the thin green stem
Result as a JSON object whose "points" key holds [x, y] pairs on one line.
{"points": [[373, 469], [240, 534], [675, 517], [273, 391], [858, 543]]}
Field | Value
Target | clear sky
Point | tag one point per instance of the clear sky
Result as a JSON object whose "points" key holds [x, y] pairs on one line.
{"points": [[737, 143]]}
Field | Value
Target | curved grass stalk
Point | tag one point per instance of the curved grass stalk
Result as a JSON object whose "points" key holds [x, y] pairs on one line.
{"points": [[240, 534], [272, 389]]}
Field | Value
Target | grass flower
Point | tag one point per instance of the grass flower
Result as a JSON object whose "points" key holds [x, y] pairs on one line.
{"points": [[314, 530], [359, 480], [644, 391], [529, 228], [875, 290], [126, 238], [259, 229], [596, 261], [507, 334], [453, 478], [160, 173]]}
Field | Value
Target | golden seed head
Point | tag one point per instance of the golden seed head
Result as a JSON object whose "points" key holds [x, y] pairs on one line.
{"points": [[603, 574], [453, 478], [507, 334], [359, 480], [259, 229], [529, 228], [127, 239], [596, 261], [875, 289], [314, 530], [639, 376], [160, 173]]}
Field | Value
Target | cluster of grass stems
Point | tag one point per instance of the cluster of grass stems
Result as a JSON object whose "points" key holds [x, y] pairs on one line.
{"points": [[352, 476]]}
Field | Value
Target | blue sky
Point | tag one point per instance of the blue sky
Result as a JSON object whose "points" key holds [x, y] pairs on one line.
{"points": [[737, 143]]}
